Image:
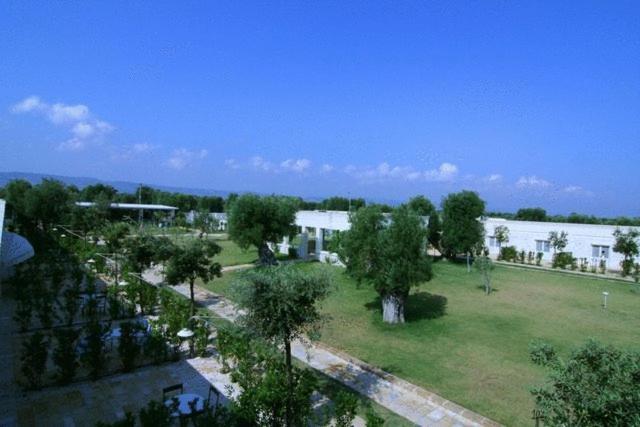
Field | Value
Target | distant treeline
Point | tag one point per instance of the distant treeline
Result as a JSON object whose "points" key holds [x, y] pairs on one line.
{"points": [[540, 215], [53, 200]]}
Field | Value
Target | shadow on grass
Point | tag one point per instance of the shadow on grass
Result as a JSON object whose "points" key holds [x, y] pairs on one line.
{"points": [[492, 288], [419, 306]]}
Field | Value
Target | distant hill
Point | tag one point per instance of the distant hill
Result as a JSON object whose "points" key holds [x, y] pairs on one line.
{"points": [[122, 186]]}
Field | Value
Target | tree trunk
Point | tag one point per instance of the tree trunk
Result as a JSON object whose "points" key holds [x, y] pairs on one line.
{"points": [[193, 299], [287, 349], [393, 308], [468, 262], [267, 257]]}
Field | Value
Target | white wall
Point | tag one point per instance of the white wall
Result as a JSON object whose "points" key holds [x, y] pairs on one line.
{"points": [[581, 238], [329, 220]]}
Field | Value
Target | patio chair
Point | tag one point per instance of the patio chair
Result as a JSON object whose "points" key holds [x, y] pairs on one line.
{"points": [[212, 390], [170, 391]]}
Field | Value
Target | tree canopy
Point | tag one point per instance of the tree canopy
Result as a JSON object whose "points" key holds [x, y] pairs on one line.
{"points": [[192, 262], [462, 229], [388, 252], [255, 220], [596, 386], [423, 207], [531, 214], [280, 305]]}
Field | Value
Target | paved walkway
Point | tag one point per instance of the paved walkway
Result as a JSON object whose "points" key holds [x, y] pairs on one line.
{"points": [[405, 399]]}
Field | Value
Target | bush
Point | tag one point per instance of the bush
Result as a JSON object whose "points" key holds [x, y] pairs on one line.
{"points": [[508, 253], [596, 386], [94, 357], [64, 354], [562, 260], [293, 252], [34, 359], [539, 256], [627, 267], [530, 257], [346, 405], [603, 266], [155, 414], [128, 347]]}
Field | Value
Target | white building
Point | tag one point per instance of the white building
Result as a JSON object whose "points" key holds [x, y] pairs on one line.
{"points": [[590, 241], [219, 219], [593, 242], [14, 249]]}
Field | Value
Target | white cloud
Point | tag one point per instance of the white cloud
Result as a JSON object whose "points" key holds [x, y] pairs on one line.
{"points": [[532, 182], [259, 163], [296, 165], [181, 157], [85, 129], [326, 168], [445, 172], [494, 178], [577, 191], [384, 172], [232, 164]]}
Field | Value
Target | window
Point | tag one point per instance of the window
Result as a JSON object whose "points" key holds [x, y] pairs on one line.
{"points": [[598, 251], [493, 243], [542, 246]]}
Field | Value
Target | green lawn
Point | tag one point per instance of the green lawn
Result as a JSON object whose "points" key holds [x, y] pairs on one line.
{"points": [[471, 348]]}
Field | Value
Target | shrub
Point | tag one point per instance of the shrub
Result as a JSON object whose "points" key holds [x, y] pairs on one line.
{"points": [[64, 354], [201, 338], [530, 257], [346, 405], [155, 346], [508, 253], [583, 265], [34, 359], [293, 252], [94, 357], [636, 273], [603, 266], [562, 260], [155, 414], [373, 420], [539, 256], [521, 257], [574, 264], [596, 386], [128, 347], [627, 267]]}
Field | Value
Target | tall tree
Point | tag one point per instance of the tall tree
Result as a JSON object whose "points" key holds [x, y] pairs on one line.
{"points": [[531, 214], [281, 305], [423, 207], [48, 203], [403, 262], [627, 245], [192, 262], [255, 220], [388, 252], [16, 193], [462, 229], [361, 243]]}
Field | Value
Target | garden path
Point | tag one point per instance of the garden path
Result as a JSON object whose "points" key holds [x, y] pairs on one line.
{"points": [[405, 399]]}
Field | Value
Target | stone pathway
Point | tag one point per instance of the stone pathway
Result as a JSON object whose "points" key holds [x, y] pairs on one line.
{"points": [[405, 399]]}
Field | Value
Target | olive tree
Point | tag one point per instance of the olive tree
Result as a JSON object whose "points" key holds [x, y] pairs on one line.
{"points": [[558, 240], [596, 386], [423, 207], [462, 229], [403, 262], [255, 220], [627, 245], [388, 252], [501, 234], [281, 305], [192, 262]]}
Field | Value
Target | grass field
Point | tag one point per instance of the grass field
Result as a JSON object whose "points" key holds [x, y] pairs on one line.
{"points": [[472, 348]]}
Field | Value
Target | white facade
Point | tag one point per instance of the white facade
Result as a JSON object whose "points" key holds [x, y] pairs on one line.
{"points": [[14, 249], [590, 241]]}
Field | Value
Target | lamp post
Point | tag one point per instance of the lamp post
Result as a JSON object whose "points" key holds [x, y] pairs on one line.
{"points": [[187, 334], [605, 294]]}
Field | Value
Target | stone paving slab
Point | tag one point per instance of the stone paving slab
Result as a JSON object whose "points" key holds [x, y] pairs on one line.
{"points": [[405, 399]]}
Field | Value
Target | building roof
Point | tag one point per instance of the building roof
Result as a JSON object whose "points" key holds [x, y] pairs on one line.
{"points": [[144, 206]]}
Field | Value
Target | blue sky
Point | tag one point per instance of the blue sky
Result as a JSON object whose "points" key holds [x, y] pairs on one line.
{"points": [[530, 104]]}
